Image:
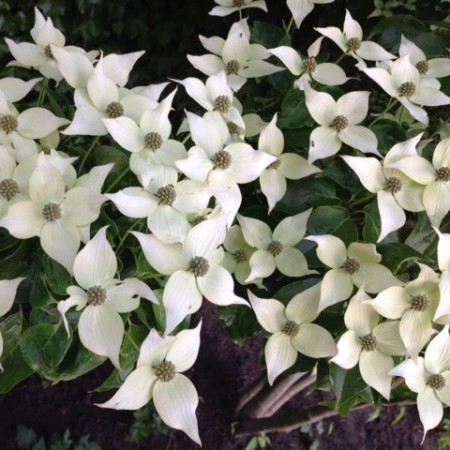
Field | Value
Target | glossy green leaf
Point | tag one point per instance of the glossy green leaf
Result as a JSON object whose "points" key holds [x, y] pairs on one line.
{"points": [[388, 134], [396, 254]]}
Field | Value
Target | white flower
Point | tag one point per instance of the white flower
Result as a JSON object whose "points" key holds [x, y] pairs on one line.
{"points": [[443, 256], [369, 343], [158, 376], [404, 83], [235, 55], [395, 191], [102, 297], [415, 305], [39, 55], [287, 165], [8, 289], [15, 89], [292, 330], [53, 214], [338, 123], [195, 266], [429, 377], [325, 73], [276, 250], [358, 265], [301, 8], [227, 7], [350, 41]]}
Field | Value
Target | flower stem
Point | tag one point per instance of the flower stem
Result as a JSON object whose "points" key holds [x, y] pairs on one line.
{"points": [[41, 97], [116, 181], [127, 334], [390, 105], [125, 235], [86, 155], [288, 28]]}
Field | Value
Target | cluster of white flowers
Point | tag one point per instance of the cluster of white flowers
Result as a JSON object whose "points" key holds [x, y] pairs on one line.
{"points": [[190, 197]]}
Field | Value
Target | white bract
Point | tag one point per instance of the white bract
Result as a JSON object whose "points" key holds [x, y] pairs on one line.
{"points": [[235, 55], [292, 330], [8, 289], [158, 376], [359, 265], [349, 40], [276, 250], [443, 256], [194, 266], [308, 69], [429, 377], [369, 343], [101, 297], [301, 8], [338, 123], [395, 191], [227, 7]]}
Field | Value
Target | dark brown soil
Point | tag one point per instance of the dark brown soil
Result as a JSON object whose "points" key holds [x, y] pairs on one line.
{"points": [[221, 374]]}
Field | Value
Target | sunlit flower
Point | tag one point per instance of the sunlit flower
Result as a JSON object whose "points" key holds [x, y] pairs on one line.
{"points": [[158, 376], [338, 123], [350, 41], [102, 297], [429, 377], [369, 344], [276, 250], [301, 8], [227, 7], [359, 265], [292, 330]]}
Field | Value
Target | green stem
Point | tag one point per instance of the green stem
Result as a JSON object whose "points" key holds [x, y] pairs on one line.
{"points": [[41, 97], [390, 105], [402, 108], [86, 155], [114, 183], [188, 136], [132, 342], [240, 14], [340, 58], [288, 28], [120, 245]]}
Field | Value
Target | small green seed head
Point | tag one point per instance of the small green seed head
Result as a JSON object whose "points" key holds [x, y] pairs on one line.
{"points": [[8, 188], [275, 165], [233, 128], [221, 160], [353, 44], [436, 381], [443, 174], [48, 52], [96, 296], [8, 123], [407, 89], [339, 123], [351, 266], [153, 140], [51, 212], [165, 371], [232, 67], [422, 67], [309, 65], [222, 104], [275, 248], [166, 195], [114, 110], [419, 303], [291, 328], [240, 256], [368, 343], [393, 185], [46, 150], [199, 266], [238, 3]]}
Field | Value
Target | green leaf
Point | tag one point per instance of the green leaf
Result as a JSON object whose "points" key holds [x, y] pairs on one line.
{"points": [[105, 154], [294, 113], [396, 254], [18, 262], [372, 225], [286, 293], [267, 34], [388, 134], [56, 277], [422, 237]]}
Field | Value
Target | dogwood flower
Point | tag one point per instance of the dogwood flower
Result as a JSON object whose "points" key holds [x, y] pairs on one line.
{"points": [[308, 69], [39, 55], [443, 256], [15, 89], [429, 377], [338, 123], [301, 8], [158, 376], [404, 83], [415, 305], [292, 330], [8, 289], [236, 56], [350, 41], [53, 214], [227, 7], [194, 265], [395, 191], [101, 297], [358, 265], [276, 250], [287, 165], [369, 344]]}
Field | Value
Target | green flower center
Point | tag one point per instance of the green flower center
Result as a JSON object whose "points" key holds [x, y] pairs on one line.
{"points": [[291, 328], [407, 89], [238, 3], [48, 52], [443, 174], [436, 381], [275, 248], [114, 110], [197, 220], [232, 67], [393, 185], [233, 128], [240, 256], [368, 343], [199, 266], [222, 104], [46, 150], [8, 188], [351, 265], [51, 212], [309, 65], [8, 123], [419, 303], [353, 44], [166, 195], [153, 140], [165, 371], [96, 296], [275, 165], [339, 123], [422, 67], [221, 160]]}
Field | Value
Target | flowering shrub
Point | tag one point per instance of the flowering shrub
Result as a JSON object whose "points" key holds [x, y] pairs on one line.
{"points": [[297, 187]]}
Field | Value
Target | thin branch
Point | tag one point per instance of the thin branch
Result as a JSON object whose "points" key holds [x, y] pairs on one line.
{"points": [[257, 387]]}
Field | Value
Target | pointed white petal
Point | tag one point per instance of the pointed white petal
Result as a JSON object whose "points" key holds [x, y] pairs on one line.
{"points": [[437, 354], [415, 331], [303, 307], [392, 215], [314, 341], [290, 58], [360, 316], [329, 74], [414, 374], [273, 186], [279, 355], [292, 263], [321, 106], [430, 409], [375, 367], [371, 51], [126, 133], [292, 229], [324, 142], [262, 265], [269, 312], [8, 289], [336, 286], [349, 349], [75, 67], [369, 172], [183, 352], [118, 67], [391, 302], [330, 250]]}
